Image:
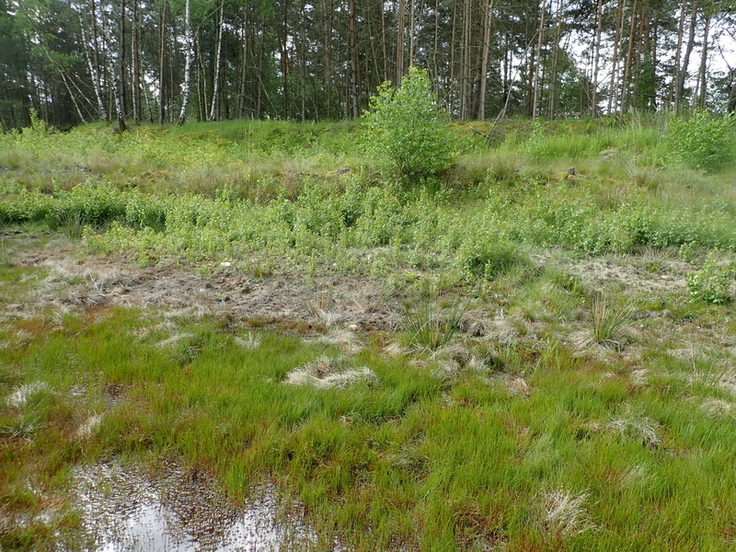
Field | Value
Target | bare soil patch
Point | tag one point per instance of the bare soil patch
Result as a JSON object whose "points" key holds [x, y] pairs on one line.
{"points": [[324, 301]]}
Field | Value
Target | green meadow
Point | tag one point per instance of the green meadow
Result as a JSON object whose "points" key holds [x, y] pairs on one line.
{"points": [[531, 349]]}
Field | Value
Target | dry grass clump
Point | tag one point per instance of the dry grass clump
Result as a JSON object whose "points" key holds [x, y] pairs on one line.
{"points": [[174, 339], [638, 428], [639, 377], [343, 338], [22, 394], [717, 408], [565, 514], [89, 427], [431, 323], [327, 373], [248, 341]]}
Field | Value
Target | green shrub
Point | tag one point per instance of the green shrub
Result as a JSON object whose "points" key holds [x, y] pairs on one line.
{"points": [[405, 127], [712, 283], [490, 259], [17, 204], [703, 142], [90, 203]]}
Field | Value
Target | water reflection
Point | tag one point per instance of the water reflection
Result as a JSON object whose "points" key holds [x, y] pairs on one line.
{"points": [[126, 510]]}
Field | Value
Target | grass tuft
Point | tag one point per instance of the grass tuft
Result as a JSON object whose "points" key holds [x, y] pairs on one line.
{"points": [[565, 514], [609, 322], [431, 324]]}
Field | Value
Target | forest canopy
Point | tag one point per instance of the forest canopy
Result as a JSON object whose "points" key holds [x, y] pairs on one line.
{"points": [[75, 61]]}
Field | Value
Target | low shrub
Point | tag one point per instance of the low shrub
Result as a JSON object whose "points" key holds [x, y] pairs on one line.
{"points": [[712, 283], [490, 259], [703, 142]]}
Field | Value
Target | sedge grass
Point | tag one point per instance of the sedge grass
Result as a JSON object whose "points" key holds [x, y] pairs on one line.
{"points": [[373, 446]]}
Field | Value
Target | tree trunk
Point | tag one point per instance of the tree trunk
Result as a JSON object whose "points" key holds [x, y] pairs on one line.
{"points": [[680, 90], [161, 66], [620, 19], [371, 78], [678, 53], [284, 46], [172, 89], [214, 109], [187, 63], [654, 48], [400, 37], [412, 29], [506, 74], [384, 47], [93, 71], [625, 83], [328, 54], [596, 59], [487, 23], [551, 112], [148, 105], [96, 49], [261, 61], [538, 55], [303, 61], [243, 66], [121, 71], [465, 69], [353, 61], [704, 58], [452, 84], [201, 79], [530, 55], [435, 65], [136, 65], [72, 96]]}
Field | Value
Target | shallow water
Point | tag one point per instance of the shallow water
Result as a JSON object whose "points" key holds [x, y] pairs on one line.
{"points": [[126, 510]]}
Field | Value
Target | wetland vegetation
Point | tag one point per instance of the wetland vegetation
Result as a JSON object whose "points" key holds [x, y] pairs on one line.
{"points": [[532, 348]]}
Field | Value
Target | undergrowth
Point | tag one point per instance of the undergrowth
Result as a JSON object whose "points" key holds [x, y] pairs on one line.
{"points": [[548, 385]]}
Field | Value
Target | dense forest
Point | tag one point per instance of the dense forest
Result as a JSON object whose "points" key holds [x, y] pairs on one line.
{"points": [[75, 61]]}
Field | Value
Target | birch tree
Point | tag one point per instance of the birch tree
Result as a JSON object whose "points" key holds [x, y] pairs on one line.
{"points": [[188, 63]]}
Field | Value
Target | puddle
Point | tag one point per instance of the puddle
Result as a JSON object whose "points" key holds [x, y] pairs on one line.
{"points": [[126, 510]]}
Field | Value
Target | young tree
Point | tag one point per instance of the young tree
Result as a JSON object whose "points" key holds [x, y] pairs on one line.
{"points": [[406, 127]]}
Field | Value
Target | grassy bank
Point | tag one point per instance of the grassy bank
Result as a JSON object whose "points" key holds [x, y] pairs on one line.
{"points": [[516, 355]]}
